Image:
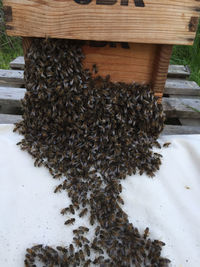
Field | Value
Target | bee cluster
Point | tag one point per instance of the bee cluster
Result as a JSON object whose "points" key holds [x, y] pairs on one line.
{"points": [[90, 133]]}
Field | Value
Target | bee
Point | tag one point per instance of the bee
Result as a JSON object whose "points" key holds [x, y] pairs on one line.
{"points": [[31, 252], [81, 255], [62, 249], [92, 219], [71, 209], [83, 212], [98, 260], [71, 249], [58, 188], [94, 69], [64, 211], [87, 263], [84, 239], [97, 230], [167, 144], [87, 249], [77, 242], [70, 221], [30, 257], [120, 200], [26, 263], [37, 247], [84, 229], [146, 233]]}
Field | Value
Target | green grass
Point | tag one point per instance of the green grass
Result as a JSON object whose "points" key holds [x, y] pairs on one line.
{"points": [[10, 47], [189, 55]]}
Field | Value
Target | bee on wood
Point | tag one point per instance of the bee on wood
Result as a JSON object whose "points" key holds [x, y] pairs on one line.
{"points": [[70, 221], [83, 212], [166, 144], [58, 188], [94, 69]]}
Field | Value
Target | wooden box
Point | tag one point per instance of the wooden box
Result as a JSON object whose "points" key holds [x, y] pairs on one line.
{"points": [[129, 39]]}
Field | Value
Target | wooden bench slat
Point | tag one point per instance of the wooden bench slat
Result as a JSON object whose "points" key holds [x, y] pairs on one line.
{"points": [[11, 77], [9, 119], [181, 107], [17, 63], [180, 129], [10, 100], [181, 87], [190, 122], [173, 71], [168, 130], [180, 71]]}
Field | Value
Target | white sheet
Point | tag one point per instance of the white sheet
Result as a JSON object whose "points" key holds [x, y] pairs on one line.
{"points": [[168, 204]]}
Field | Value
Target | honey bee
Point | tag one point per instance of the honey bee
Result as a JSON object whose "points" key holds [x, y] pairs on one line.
{"points": [[146, 233], [58, 188], [84, 229], [77, 242], [62, 249], [83, 212], [94, 69], [87, 249], [71, 249], [70, 221], [167, 144], [37, 247]]}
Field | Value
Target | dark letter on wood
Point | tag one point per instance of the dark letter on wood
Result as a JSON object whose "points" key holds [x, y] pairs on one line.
{"points": [[83, 2], [106, 2], [139, 3]]}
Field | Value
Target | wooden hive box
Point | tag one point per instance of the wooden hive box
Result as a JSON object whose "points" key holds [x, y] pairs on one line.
{"points": [[129, 39]]}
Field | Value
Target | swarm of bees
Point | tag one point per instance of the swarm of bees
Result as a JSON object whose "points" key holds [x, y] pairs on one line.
{"points": [[90, 133]]}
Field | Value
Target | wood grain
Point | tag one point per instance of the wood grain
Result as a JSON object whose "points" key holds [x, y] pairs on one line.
{"points": [[179, 129], [123, 65], [9, 118], [160, 69], [158, 22], [174, 107], [181, 87]]}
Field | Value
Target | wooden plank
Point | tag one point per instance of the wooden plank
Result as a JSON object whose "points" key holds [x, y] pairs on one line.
{"points": [[178, 129], [17, 63], [12, 77], [154, 21], [9, 119], [173, 70], [178, 71], [10, 100], [190, 122], [181, 87], [181, 107], [160, 69], [134, 63]]}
